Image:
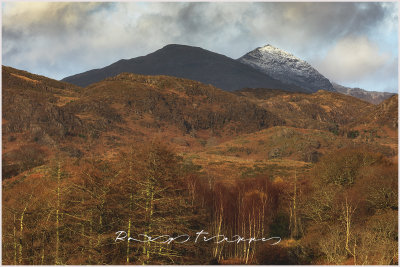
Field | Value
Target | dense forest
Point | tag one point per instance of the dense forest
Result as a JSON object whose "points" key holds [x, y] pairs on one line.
{"points": [[160, 170]]}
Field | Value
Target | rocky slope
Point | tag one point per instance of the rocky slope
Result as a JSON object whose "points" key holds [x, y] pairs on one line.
{"points": [[287, 68], [385, 114]]}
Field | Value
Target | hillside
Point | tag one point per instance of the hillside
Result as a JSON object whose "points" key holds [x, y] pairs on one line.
{"points": [[386, 112], [51, 116], [321, 110], [187, 104], [381, 123], [34, 103], [188, 62]]}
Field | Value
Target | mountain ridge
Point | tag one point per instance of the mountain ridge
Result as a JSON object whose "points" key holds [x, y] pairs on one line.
{"points": [[286, 67], [188, 62], [373, 97]]}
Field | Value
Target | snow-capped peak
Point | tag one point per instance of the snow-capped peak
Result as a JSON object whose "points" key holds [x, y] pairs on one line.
{"points": [[286, 67], [273, 50]]}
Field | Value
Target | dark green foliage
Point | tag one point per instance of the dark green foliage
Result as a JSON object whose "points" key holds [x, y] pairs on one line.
{"points": [[353, 134], [278, 255], [334, 129], [280, 226]]}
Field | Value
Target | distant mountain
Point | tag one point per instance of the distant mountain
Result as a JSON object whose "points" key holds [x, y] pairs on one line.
{"points": [[287, 68], [370, 96], [187, 62]]}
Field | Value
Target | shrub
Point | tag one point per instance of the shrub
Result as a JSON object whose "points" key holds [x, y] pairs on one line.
{"points": [[24, 158], [342, 166], [353, 134]]}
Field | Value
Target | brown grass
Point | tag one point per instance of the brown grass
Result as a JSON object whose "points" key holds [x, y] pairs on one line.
{"points": [[25, 78]]}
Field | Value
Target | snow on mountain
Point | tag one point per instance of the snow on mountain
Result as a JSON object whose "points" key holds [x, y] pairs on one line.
{"points": [[287, 68]]}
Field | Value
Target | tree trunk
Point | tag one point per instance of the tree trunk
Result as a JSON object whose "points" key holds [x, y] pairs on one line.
{"points": [[348, 214], [57, 261], [15, 242], [129, 228], [21, 230]]}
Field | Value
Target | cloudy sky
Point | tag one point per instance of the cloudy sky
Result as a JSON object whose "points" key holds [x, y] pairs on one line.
{"points": [[354, 44]]}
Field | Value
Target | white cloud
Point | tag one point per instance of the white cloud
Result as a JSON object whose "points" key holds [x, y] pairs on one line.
{"points": [[351, 59]]}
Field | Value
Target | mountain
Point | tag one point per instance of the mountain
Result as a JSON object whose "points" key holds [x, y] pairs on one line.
{"points": [[370, 96], [287, 68], [188, 62]]}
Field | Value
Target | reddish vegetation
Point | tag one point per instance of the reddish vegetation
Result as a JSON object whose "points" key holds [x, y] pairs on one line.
{"points": [[163, 155]]}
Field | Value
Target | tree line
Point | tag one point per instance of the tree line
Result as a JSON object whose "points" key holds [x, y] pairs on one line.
{"points": [[343, 211]]}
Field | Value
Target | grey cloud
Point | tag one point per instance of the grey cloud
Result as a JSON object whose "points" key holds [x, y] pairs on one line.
{"points": [[35, 35], [49, 23], [190, 16], [306, 26], [296, 26]]}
